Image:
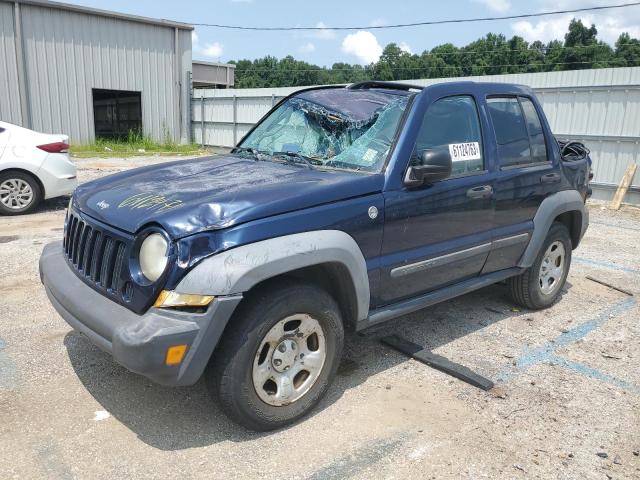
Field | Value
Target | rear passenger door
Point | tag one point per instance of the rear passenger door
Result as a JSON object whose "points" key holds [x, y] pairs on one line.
{"points": [[440, 233], [526, 176]]}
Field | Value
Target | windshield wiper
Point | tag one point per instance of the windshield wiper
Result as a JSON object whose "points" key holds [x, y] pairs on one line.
{"points": [[254, 152], [298, 158]]}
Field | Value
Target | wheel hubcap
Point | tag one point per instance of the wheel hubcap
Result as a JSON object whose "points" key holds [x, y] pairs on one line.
{"points": [[15, 193], [552, 268], [289, 360]]}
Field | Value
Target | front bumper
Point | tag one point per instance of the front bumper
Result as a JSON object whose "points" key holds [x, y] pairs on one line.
{"points": [[138, 342]]}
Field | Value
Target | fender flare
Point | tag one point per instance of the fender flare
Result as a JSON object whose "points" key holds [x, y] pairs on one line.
{"points": [[550, 208], [237, 270]]}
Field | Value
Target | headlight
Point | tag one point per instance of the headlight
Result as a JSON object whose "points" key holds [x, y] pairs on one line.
{"points": [[153, 256]]}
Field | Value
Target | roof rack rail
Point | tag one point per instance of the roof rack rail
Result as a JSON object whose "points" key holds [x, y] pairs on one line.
{"points": [[390, 85]]}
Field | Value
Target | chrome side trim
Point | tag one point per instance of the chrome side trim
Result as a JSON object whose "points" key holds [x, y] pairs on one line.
{"points": [[508, 241], [439, 261]]}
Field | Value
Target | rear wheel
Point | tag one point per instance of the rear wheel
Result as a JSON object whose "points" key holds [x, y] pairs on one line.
{"points": [[19, 193], [540, 285], [278, 356]]}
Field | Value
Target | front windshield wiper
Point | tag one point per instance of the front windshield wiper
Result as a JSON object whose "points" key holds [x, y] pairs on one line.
{"points": [[255, 153], [295, 156]]}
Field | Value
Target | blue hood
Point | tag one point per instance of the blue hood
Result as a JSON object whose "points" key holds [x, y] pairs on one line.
{"points": [[190, 196]]}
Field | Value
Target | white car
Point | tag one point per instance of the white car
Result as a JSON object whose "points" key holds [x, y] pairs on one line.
{"points": [[33, 167]]}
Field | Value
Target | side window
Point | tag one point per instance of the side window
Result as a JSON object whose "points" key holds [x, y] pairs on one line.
{"points": [[511, 132], [536, 135], [453, 123]]}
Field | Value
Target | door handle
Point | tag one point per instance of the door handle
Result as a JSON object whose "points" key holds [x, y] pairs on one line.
{"points": [[485, 191], [550, 178]]}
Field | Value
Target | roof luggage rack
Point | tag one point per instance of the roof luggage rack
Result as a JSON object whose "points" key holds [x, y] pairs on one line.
{"points": [[389, 85]]}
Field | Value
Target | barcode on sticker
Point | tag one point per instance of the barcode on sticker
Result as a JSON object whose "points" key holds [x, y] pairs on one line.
{"points": [[464, 151]]}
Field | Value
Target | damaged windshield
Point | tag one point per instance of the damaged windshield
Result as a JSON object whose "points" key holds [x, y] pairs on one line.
{"points": [[335, 128]]}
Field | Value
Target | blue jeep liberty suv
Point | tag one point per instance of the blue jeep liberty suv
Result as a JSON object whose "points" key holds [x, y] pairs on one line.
{"points": [[342, 208]]}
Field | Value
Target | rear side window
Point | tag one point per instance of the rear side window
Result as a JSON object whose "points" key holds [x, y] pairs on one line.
{"points": [[536, 135], [453, 123], [518, 130]]}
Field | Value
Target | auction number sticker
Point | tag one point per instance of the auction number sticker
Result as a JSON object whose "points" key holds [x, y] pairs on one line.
{"points": [[464, 151]]}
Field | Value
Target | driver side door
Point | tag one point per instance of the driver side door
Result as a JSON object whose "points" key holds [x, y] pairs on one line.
{"points": [[439, 234]]}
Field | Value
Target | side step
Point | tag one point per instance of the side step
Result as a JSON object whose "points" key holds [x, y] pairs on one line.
{"points": [[438, 362], [382, 314]]}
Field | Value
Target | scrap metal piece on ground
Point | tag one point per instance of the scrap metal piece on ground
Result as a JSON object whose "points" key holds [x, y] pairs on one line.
{"points": [[625, 183], [438, 362], [602, 282]]}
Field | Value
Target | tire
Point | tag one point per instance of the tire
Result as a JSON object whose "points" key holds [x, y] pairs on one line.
{"points": [[20, 193], [540, 285], [251, 352]]}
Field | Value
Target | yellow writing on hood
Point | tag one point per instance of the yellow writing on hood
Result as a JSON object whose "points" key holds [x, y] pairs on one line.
{"points": [[150, 201]]}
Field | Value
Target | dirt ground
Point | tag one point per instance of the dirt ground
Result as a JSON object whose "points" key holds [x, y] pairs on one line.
{"points": [[566, 405]]}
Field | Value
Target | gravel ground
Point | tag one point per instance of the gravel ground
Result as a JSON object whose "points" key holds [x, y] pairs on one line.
{"points": [[567, 402]]}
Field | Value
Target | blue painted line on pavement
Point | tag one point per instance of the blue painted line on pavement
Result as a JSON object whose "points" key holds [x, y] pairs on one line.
{"points": [[613, 225], [593, 373], [607, 265], [8, 371], [547, 352]]}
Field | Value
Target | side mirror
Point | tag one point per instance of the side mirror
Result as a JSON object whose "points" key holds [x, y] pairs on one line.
{"points": [[435, 164]]}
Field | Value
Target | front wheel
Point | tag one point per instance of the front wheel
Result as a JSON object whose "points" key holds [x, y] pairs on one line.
{"points": [[278, 356], [540, 285]]}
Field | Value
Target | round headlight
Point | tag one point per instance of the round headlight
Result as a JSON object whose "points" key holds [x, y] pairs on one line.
{"points": [[153, 256]]}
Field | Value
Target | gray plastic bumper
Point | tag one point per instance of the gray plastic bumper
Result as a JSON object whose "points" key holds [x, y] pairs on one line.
{"points": [[138, 342]]}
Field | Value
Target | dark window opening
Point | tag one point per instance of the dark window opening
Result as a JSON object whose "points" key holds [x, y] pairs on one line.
{"points": [[116, 113], [518, 130]]}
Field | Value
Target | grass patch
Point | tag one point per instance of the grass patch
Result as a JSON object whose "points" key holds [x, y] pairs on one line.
{"points": [[134, 145]]}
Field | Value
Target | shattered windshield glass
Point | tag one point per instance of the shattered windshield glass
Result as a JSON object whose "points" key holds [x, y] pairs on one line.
{"points": [[331, 128]]}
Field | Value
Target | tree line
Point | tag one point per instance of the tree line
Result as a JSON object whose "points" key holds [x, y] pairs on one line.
{"points": [[491, 55]]}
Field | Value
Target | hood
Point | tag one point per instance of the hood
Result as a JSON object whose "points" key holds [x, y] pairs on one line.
{"points": [[188, 196]]}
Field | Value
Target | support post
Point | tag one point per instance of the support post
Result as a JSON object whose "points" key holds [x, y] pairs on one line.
{"points": [[235, 120], [202, 119], [25, 111]]}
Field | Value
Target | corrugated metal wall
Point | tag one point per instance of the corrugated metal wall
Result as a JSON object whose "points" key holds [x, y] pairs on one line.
{"points": [[9, 93], [67, 54], [600, 107]]}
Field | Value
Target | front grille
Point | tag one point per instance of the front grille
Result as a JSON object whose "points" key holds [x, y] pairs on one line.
{"points": [[96, 254]]}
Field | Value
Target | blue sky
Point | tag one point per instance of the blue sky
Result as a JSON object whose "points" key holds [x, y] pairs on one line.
{"points": [[327, 47]]}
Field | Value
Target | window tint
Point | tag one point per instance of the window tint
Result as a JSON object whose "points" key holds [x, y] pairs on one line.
{"points": [[536, 135], [448, 123], [511, 131]]}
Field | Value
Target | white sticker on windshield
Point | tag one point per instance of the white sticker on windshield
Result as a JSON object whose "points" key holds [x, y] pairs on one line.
{"points": [[370, 156], [464, 151]]}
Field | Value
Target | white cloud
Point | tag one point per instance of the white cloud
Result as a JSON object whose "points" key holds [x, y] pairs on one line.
{"points": [[610, 23], [213, 50], [325, 34], [363, 45], [404, 46], [194, 39], [609, 28], [307, 48], [378, 22], [500, 6]]}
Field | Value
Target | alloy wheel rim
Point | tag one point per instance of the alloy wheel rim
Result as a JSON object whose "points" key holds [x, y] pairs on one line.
{"points": [[16, 194], [289, 360], [552, 268]]}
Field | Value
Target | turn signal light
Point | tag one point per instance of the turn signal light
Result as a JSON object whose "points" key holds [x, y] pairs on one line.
{"points": [[175, 354], [168, 299]]}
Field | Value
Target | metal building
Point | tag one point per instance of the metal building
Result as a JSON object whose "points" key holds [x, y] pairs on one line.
{"points": [[87, 72], [213, 74]]}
